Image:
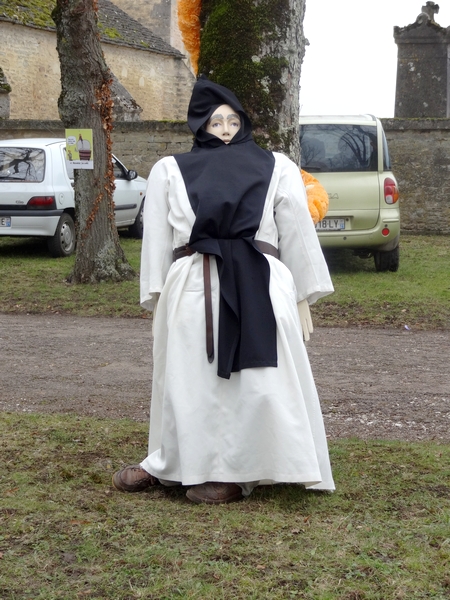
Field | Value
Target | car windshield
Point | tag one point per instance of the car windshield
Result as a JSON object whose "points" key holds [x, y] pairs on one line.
{"points": [[22, 164], [333, 148]]}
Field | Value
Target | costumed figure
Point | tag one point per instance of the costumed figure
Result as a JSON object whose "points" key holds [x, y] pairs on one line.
{"points": [[229, 251]]}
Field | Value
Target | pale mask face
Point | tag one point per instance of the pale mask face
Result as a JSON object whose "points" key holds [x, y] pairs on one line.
{"points": [[224, 123]]}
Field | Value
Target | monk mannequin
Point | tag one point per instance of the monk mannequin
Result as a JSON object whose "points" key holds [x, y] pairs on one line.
{"points": [[231, 258]]}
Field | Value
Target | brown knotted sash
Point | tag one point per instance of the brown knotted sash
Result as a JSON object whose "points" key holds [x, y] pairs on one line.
{"points": [[186, 250]]}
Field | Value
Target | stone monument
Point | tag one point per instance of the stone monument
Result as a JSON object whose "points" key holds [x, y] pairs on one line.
{"points": [[423, 68]]}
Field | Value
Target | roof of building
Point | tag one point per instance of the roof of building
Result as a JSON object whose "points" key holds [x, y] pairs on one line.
{"points": [[115, 25]]}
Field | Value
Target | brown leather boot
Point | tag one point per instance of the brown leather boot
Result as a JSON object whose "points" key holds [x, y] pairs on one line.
{"points": [[213, 492], [133, 479]]}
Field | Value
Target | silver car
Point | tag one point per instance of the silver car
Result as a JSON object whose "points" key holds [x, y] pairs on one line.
{"points": [[37, 196]]}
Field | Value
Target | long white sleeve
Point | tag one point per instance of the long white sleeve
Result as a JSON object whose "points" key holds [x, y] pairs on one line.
{"points": [[298, 243], [156, 255]]}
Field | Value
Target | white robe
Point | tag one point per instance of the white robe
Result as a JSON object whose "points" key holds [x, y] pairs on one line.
{"points": [[262, 425]]}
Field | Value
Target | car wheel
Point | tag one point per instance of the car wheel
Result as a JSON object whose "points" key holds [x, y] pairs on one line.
{"points": [[387, 261], [137, 229], [63, 242]]}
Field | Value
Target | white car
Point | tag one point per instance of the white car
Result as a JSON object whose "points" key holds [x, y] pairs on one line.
{"points": [[37, 196]]}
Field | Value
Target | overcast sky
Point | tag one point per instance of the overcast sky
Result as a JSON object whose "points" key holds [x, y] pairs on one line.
{"points": [[350, 65]]}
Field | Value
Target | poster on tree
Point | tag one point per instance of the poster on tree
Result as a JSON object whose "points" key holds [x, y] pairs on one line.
{"points": [[79, 151]]}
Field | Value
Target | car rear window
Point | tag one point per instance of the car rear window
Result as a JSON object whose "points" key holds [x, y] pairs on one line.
{"points": [[22, 164], [334, 148]]}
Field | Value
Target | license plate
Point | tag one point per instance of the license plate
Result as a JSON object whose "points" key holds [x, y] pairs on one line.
{"points": [[330, 225], [5, 221]]}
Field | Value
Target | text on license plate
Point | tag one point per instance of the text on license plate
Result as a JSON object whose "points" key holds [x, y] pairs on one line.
{"points": [[330, 225], [5, 221]]}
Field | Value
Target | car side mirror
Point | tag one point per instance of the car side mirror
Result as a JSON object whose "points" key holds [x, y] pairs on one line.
{"points": [[131, 175]]}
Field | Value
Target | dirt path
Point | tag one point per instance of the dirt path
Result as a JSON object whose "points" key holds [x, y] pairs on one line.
{"points": [[373, 383]]}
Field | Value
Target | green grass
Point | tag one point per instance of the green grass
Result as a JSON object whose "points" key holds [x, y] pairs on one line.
{"points": [[65, 533], [417, 295], [33, 282]]}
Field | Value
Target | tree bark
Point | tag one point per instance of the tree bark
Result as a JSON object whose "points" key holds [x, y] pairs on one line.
{"points": [[255, 48], [85, 103]]}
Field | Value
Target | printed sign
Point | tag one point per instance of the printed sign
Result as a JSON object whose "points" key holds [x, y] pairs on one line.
{"points": [[79, 151]]}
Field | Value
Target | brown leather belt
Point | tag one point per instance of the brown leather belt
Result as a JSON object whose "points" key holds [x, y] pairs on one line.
{"points": [[186, 250]]}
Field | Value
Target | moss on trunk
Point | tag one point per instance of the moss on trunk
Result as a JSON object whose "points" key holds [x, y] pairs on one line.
{"points": [[243, 47]]}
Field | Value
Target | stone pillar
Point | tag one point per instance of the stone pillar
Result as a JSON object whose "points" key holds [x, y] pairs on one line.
{"points": [[5, 90], [422, 89]]}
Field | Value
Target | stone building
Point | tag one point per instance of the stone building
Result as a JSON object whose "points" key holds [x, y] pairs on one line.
{"points": [[423, 86], [152, 79], [160, 16]]}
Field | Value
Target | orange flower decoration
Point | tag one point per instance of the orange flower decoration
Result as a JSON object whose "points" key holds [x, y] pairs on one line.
{"points": [[189, 24], [316, 195]]}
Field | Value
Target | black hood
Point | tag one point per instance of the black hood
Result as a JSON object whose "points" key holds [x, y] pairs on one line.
{"points": [[206, 97]]}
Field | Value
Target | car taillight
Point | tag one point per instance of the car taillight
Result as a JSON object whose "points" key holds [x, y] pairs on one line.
{"points": [[42, 202], [390, 191]]}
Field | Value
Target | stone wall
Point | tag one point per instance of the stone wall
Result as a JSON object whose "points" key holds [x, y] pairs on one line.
{"points": [[420, 153], [138, 145], [160, 84], [419, 148], [35, 82]]}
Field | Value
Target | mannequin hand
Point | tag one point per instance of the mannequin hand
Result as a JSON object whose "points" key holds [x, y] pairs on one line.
{"points": [[305, 319]]}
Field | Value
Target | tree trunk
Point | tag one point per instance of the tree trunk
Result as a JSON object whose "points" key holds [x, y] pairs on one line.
{"points": [[85, 103], [255, 48]]}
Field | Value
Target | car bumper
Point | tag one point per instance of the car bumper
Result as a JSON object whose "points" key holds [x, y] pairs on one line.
{"points": [[371, 239], [31, 222]]}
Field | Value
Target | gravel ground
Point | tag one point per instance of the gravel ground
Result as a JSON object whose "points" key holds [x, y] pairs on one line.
{"points": [[373, 383]]}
